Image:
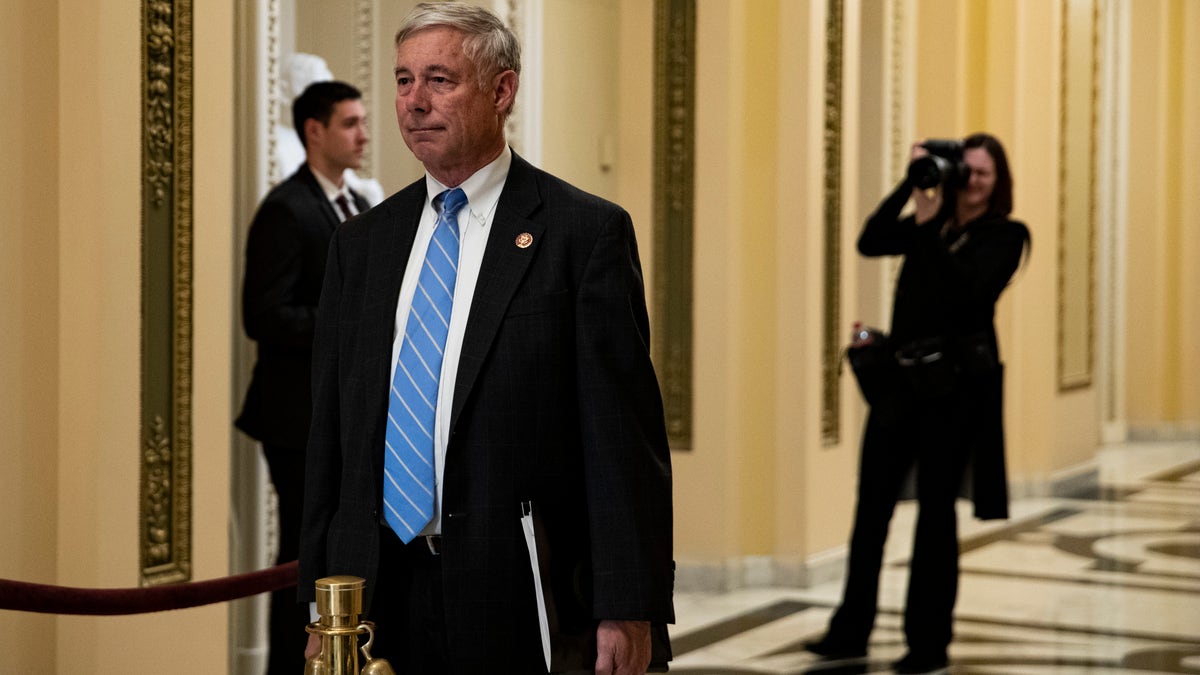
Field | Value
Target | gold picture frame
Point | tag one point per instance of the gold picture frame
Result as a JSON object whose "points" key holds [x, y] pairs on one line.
{"points": [[166, 326], [831, 345], [1075, 329], [674, 206]]}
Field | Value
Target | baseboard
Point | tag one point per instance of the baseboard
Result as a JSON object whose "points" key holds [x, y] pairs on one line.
{"points": [[707, 577], [760, 571], [827, 566], [1073, 481], [1175, 431], [1116, 431]]}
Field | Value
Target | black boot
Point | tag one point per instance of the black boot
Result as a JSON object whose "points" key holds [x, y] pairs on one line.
{"points": [[834, 649]]}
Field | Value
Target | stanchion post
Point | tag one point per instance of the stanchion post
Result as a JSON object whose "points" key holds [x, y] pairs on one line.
{"points": [[339, 602]]}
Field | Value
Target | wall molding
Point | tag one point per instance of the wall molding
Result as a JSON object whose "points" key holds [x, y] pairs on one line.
{"points": [[165, 534], [523, 128], [674, 211], [831, 343], [365, 19], [1078, 118]]}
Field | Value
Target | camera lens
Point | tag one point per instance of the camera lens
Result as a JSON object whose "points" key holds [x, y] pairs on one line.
{"points": [[928, 171]]}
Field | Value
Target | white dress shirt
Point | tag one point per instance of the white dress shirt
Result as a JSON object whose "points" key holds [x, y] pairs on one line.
{"points": [[474, 223], [332, 192]]}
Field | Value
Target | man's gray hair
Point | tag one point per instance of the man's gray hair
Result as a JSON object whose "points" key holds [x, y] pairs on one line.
{"points": [[489, 44]]}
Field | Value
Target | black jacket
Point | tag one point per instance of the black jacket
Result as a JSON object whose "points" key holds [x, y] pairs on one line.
{"points": [[947, 289], [285, 264], [555, 402]]}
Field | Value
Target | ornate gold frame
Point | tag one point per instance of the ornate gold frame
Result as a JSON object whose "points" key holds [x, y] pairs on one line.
{"points": [[831, 345], [1075, 324], [673, 190], [166, 413], [274, 102]]}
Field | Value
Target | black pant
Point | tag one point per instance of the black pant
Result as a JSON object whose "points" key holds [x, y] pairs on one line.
{"points": [[926, 436], [410, 619], [407, 607], [286, 636]]}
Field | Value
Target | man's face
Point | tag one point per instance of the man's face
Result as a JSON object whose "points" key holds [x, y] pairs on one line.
{"points": [[983, 178], [450, 124], [341, 143]]}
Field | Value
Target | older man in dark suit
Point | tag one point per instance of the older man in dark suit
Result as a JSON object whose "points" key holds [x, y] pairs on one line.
{"points": [[285, 265], [543, 395]]}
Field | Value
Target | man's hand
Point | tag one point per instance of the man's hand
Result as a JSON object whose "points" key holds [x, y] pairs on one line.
{"points": [[622, 647]]}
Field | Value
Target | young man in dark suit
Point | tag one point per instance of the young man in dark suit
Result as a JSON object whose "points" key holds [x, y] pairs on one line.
{"points": [[544, 396], [285, 264]]}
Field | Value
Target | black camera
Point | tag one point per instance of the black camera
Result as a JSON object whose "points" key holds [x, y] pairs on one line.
{"points": [[943, 165]]}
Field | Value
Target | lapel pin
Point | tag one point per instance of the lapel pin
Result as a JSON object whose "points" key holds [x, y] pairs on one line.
{"points": [[524, 240]]}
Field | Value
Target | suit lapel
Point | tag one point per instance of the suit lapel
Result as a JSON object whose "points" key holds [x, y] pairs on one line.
{"points": [[504, 265], [306, 175], [360, 202]]}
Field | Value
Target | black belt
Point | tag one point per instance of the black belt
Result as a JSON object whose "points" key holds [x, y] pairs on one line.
{"points": [[432, 542], [429, 542]]}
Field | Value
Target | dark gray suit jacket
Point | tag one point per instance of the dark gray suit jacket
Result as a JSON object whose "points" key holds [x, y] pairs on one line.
{"points": [[556, 403], [285, 264]]}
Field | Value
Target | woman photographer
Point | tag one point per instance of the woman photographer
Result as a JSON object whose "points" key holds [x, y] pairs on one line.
{"points": [[942, 419]]}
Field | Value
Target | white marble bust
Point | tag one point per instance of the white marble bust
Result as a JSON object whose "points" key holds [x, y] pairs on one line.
{"points": [[299, 71]]}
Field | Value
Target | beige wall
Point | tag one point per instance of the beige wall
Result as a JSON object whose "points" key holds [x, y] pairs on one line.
{"points": [[759, 491], [98, 306], [1164, 203], [581, 92], [759, 487], [29, 290], [759, 482], [1186, 170], [70, 269]]}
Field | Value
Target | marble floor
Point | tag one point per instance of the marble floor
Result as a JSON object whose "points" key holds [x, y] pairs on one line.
{"points": [[1107, 582]]}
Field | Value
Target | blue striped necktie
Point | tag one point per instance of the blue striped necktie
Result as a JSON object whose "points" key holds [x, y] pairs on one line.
{"points": [[408, 484]]}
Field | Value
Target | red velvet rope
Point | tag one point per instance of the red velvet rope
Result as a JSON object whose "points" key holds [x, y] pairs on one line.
{"points": [[44, 598]]}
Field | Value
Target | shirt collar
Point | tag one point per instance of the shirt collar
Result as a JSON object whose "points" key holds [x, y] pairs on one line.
{"points": [[331, 191], [482, 188]]}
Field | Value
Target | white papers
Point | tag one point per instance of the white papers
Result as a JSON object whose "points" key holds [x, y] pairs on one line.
{"points": [[531, 544]]}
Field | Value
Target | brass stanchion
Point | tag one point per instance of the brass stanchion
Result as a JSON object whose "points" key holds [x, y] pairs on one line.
{"points": [[339, 602]]}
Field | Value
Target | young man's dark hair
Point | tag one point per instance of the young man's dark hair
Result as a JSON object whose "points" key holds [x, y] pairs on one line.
{"points": [[317, 102]]}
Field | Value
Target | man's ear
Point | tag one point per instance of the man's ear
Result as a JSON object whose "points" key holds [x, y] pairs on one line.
{"points": [[314, 132], [504, 88]]}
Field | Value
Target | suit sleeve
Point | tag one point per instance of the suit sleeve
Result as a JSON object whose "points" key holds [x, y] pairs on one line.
{"points": [[885, 233], [626, 458], [322, 474], [272, 310]]}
